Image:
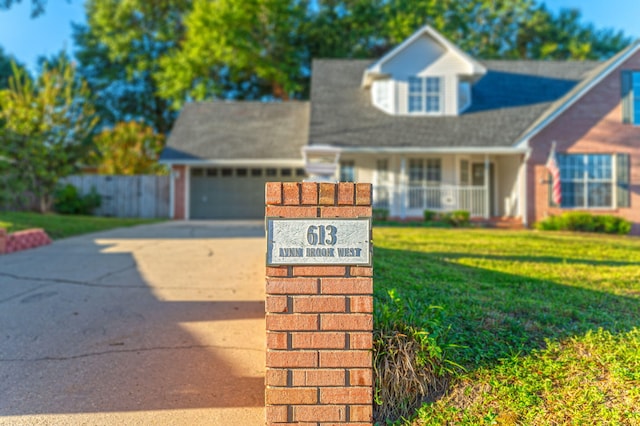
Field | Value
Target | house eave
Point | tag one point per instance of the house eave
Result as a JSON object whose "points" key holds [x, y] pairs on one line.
{"points": [[434, 150], [476, 69], [236, 162]]}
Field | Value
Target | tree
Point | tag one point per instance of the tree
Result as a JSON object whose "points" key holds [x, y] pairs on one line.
{"points": [[128, 149], [118, 52], [37, 6], [6, 69], [261, 49], [257, 46], [47, 124]]}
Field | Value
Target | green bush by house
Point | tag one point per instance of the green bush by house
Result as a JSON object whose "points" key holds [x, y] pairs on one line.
{"points": [[67, 200], [585, 222]]}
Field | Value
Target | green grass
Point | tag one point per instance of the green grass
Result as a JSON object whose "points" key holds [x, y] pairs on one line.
{"points": [[63, 226], [546, 326]]}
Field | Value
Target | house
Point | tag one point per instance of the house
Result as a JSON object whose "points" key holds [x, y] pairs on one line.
{"points": [[431, 128]]}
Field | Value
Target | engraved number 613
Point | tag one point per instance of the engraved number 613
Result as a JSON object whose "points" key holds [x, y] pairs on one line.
{"points": [[317, 235]]}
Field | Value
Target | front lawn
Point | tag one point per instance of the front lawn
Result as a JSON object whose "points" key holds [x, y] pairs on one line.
{"points": [[546, 326], [63, 226]]}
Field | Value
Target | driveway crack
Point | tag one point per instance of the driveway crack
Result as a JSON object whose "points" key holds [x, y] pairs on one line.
{"points": [[117, 351], [72, 282]]}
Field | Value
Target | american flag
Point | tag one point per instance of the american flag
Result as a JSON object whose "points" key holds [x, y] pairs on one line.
{"points": [[552, 166]]}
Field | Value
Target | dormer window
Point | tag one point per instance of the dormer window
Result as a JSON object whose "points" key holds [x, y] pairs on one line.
{"points": [[425, 95]]}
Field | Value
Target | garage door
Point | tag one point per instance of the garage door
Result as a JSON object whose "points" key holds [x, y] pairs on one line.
{"points": [[234, 192]]}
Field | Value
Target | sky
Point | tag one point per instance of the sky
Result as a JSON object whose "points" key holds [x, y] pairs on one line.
{"points": [[28, 38]]}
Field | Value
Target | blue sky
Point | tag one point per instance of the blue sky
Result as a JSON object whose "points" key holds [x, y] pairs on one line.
{"points": [[28, 38]]}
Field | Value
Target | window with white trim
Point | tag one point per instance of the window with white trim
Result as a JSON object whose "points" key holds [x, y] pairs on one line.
{"points": [[424, 95], [587, 180], [636, 97], [630, 97], [347, 171]]}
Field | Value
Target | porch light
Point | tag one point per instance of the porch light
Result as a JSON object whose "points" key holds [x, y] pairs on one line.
{"points": [[321, 162]]}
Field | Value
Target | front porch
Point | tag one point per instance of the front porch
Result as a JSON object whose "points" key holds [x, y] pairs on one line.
{"points": [[413, 200], [486, 185]]}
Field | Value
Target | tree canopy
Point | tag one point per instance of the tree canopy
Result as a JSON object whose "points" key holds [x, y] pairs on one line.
{"points": [[129, 148], [45, 135], [263, 48]]}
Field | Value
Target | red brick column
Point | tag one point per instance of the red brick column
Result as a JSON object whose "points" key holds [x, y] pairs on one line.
{"points": [[319, 319], [3, 241], [179, 192]]}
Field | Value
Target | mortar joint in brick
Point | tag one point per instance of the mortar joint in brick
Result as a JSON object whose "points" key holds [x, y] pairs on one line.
{"points": [[347, 378], [289, 414]]}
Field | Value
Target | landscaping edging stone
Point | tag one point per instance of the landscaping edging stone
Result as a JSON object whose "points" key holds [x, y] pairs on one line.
{"points": [[22, 240]]}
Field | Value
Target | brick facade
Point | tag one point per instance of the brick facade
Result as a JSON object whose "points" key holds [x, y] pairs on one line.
{"points": [[319, 319], [592, 125], [179, 192]]}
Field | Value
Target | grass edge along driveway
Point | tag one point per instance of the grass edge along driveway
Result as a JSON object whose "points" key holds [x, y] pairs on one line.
{"points": [[63, 226], [545, 324]]}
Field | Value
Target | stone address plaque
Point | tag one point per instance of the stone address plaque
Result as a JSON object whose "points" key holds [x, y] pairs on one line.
{"points": [[318, 242]]}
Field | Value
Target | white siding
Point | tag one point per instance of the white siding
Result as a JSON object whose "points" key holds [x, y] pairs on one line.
{"points": [[507, 172], [424, 58]]}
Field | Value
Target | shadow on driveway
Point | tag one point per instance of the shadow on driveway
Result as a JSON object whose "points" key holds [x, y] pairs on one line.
{"points": [[158, 317]]}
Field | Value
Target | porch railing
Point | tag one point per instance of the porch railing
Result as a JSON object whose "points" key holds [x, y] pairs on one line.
{"points": [[412, 200]]}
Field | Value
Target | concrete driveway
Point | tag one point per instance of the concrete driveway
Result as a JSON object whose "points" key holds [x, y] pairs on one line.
{"points": [[158, 324]]}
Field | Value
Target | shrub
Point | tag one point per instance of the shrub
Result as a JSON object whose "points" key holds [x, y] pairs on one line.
{"points": [[380, 214], [585, 222], [430, 215], [67, 200], [458, 218], [410, 357]]}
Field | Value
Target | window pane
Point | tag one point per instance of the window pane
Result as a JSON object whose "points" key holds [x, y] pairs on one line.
{"points": [[212, 172], [347, 171], [587, 180], [256, 172], [599, 194], [433, 170], [382, 167], [197, 172], [286, 172], [416, 171], [599, 167], [227, 172], [415, 103], [464, 172], [415, 86], [241, 172], [572, 194], [272, 172], [635, 80], [301, 172]]}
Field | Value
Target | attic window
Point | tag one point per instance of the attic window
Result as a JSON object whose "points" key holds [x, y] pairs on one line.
{"points": [[425, 95]]}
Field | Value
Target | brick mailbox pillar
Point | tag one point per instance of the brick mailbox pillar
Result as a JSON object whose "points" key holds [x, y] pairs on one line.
{"points": [[319, 317]]}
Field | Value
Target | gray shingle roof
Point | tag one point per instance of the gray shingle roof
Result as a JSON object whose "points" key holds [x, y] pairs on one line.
{"points": [[506, 101], [239, 130]]}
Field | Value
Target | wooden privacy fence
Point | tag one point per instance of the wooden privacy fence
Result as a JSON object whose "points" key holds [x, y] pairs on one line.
{"points": [[143, 196]]}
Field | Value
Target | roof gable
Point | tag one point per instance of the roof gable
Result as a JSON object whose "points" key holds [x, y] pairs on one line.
{"points": [[582, 88], [470, 65]]}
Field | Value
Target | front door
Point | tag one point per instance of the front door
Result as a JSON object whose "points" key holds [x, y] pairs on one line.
{"points": [[477, 179]]}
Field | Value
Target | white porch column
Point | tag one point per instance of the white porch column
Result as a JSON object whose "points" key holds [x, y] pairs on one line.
{"points": [[403, 188], [487, 199]]}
